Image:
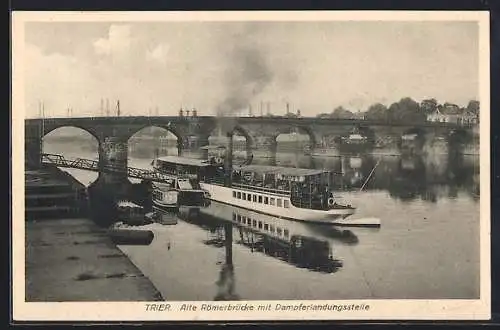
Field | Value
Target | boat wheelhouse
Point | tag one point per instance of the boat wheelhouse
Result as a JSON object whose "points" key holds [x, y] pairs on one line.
{"points": [[184, 188]]}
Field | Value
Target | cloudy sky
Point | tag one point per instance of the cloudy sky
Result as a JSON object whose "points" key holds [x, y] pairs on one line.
{"points": [[220, 67]]}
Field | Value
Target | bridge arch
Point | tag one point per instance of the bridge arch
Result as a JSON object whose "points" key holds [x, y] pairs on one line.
{"points": [[51, 128], [309, 131], [243, 132], [73, 142], [301, 129], [153, 140], [170, 128], [220, 136]]}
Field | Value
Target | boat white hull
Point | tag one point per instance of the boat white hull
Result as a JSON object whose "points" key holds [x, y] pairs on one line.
{"points": [[225, 195]]}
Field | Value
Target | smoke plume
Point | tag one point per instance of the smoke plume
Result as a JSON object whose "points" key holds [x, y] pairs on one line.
{"points": [[246, 75]]}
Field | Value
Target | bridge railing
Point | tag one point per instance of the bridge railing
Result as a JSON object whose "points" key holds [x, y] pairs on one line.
{"points": [[93, 165]]}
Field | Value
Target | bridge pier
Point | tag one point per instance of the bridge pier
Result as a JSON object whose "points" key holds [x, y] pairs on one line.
{"points": [[32, 147], [113, 152], [32, 153], [193, 143]]}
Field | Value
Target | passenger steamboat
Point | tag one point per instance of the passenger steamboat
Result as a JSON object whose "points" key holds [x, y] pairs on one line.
{"points": [[183, 189], [283, 192]]}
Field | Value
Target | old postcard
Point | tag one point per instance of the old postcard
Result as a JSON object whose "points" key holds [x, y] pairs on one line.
{"points": [[251, 166]]}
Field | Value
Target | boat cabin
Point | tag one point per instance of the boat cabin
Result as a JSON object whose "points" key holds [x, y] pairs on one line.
{"points": [[196, 169]]}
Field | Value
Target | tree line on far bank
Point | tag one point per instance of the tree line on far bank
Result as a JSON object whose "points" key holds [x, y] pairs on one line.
{"points": [[406, 110]]}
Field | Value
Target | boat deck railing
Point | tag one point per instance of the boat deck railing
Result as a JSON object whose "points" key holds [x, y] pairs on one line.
{"points": [[220, 182]]}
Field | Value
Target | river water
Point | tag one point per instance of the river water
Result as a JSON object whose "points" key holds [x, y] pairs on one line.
{"points": [[427, 246]]}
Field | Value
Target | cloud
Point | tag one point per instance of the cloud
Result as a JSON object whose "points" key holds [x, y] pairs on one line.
{"points": [[61, 81], [159, 54], [118, 41], [176, 64]]}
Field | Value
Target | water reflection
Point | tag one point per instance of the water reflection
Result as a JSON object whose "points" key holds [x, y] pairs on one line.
{"points": [[226, 282], [407, 177], [427, 177], [300, 244]]}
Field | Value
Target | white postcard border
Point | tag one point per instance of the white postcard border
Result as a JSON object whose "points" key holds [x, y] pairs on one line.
{"points": [[383, 309]]}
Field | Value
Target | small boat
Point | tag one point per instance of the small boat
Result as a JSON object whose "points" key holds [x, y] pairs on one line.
{"points": [[122, 234], [131, 213], [163, 217]]}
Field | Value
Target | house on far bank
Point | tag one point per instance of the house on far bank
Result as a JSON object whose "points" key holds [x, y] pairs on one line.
{"points": [[359, 115], [451, 113]]}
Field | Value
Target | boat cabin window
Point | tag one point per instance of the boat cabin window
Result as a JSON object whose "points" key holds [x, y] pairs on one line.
{"points": [[266, 226], [234, 216], [239, 218], [254, 223], [271, 228], [260, 224], [255, 198], [278, 230], [271, 201], [239, 195], [279, 202], [234, 194], [260, 199], [244, 196], [286, 233], [286, 203], [266, 200], [249, 197]]}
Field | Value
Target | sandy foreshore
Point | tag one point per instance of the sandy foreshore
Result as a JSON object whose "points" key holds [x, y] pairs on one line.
{"points": [[75, 260]]}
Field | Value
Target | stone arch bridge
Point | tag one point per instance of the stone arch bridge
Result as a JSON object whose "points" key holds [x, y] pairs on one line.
{"points": [[113, 133]]}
